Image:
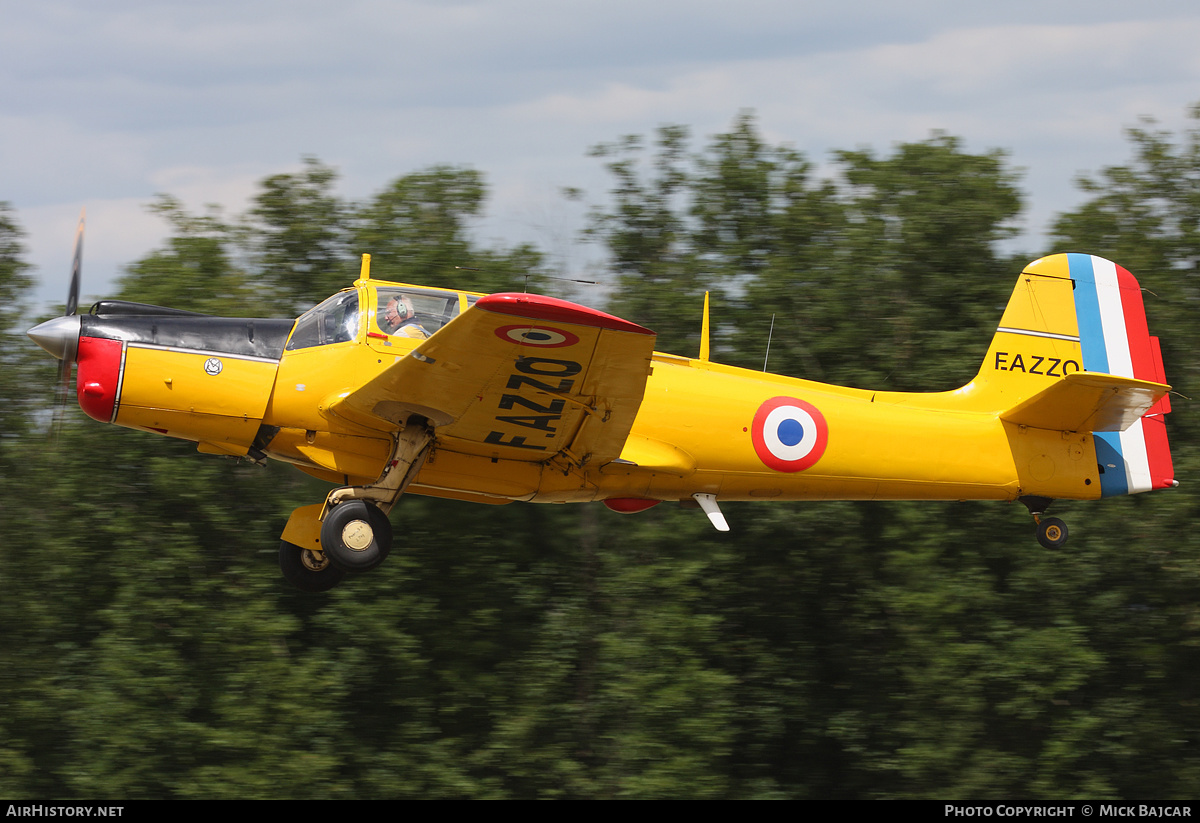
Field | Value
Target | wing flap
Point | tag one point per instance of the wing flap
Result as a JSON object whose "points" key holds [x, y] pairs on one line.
{"points": [[649, 454], [517, 376], [1088, 401]]}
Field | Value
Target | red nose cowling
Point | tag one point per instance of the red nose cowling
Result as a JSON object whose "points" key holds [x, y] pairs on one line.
{"points": [[98, 380]]}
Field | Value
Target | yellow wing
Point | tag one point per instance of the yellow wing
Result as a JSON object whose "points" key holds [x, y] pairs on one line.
{"points": [[517, 377]]}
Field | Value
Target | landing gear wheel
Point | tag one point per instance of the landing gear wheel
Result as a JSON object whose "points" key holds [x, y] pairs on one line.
{"points": [[308, 570], [1051, 532], [356, 536]]}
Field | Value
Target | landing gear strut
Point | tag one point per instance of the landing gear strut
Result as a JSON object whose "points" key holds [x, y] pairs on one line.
{"points": [[1051, 531]]}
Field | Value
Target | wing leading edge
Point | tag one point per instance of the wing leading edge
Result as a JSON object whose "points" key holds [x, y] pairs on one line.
{"points": [[517, 377]]}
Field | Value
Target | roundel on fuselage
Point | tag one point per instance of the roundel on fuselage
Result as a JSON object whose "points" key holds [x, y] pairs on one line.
{"points": [[789, 434]]}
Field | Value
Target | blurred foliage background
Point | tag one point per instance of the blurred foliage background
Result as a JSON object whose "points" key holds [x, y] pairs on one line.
{"points": [[822, 650]]}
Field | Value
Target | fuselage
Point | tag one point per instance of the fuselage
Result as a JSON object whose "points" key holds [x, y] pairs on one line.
{"points": [[695, 432], [264, 388]]}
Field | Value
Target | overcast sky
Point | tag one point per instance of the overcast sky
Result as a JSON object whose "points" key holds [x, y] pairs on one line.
{"points": [[105, 104]]}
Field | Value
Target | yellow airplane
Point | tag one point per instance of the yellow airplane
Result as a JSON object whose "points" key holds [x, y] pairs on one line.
{"points": [[387, 388]]}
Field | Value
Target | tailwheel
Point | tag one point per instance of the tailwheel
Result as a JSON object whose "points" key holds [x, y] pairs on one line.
{"points": [[306, 569], [1051, 532], [356, 535]]}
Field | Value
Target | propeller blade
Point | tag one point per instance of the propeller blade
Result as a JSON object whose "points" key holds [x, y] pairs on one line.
{"points": [[76, 266], [59, 340]]}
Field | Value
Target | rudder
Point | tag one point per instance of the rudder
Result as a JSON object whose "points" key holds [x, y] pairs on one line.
{"points": [[1114, 338], [1073, 313]]}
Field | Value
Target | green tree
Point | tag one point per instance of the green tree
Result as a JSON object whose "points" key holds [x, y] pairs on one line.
{"points": [[887, 277], [418, 230], [160, 654], [886, 649], [18, 403], [769, 233], [300, 231], [646, 237], [920, 266], [1146, 216], [196, 270], [15, 372]]}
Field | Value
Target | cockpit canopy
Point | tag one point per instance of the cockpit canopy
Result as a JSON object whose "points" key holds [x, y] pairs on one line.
{"points": [[398, 311], [336, 320]]}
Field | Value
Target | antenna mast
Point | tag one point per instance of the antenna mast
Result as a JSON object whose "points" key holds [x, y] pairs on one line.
{"points": [[770, 332]]}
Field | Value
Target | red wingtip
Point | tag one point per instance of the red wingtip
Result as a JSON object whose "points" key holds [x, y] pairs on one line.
{"points": [[537, 307]]}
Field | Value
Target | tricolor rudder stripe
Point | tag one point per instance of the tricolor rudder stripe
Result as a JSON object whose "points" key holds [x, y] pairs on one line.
{"points": [[1115, 340]]}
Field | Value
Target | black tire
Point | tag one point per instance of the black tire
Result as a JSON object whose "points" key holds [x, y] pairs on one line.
{"points": [[307, 570], [356, 535], [1051, 532]]}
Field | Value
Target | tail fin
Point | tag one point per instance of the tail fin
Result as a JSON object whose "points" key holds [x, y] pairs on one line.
{"points": [[1074, 313]]}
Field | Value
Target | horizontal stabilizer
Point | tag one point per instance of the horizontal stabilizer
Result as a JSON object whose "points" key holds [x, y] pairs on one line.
{"points": [[1088, 401]]}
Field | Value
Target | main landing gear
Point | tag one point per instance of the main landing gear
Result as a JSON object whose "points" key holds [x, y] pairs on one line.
{"points": [[1051, 531], [356, 536], [351, 532]]}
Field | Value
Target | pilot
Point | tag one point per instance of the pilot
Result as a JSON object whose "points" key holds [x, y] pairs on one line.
{"points": [[399, 318]]}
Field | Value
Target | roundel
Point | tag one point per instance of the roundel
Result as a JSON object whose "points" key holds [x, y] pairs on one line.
{"points": [[789, 435], [547, 337]]}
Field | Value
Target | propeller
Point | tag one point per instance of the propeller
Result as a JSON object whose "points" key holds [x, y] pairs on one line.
{"points": [[76, 266], [60, 336]]}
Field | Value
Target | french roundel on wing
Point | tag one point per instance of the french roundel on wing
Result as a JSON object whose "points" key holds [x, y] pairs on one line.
{"points": [[546, 337], [789, 434]]}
